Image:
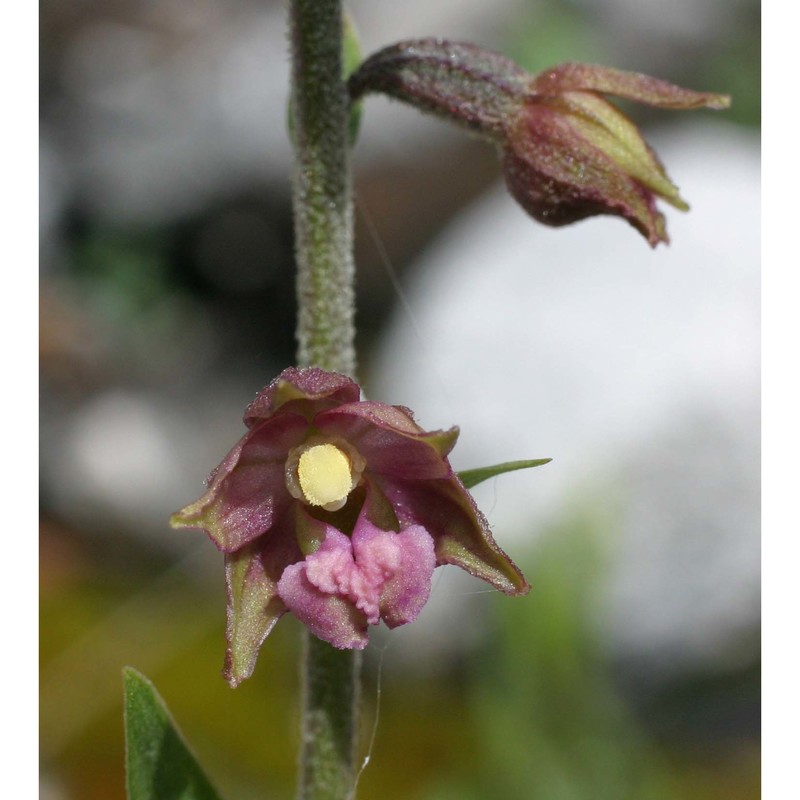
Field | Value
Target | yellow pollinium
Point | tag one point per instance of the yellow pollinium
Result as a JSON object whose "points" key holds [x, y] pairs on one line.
{"points": [[325, 476]]}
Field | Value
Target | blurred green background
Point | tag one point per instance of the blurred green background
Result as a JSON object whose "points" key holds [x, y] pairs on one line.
{"points": [[167, 301]]}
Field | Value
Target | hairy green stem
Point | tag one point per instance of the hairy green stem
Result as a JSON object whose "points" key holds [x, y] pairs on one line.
{"points": [[322, 188], [325, 294], [330, 703]]}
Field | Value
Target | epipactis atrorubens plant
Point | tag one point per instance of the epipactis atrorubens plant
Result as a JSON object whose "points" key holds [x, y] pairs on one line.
{"points": [[338, 509], [567, 152]]}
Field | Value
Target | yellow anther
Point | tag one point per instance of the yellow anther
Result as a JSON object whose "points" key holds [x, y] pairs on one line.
{"points": [[325, 476]]}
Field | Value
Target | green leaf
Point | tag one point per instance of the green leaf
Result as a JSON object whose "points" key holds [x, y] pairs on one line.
{"points": [[472, 477], [158, 762]]}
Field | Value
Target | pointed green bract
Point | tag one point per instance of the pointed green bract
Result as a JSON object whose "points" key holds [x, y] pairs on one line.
{"points": [[159, 764], [472, 477]]}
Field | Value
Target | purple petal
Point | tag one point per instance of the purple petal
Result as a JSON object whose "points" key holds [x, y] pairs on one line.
{"points": [[460, 532], [630, 85], [247, 491], [389, 439], [559, 177], [304, 391]]}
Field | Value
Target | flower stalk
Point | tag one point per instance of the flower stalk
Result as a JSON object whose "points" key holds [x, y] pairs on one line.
{"points": [[331, 681], [325, 331]]}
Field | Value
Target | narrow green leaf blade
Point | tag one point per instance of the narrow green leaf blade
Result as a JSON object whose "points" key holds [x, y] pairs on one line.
{"points": [[472, 477], [158, 762]]}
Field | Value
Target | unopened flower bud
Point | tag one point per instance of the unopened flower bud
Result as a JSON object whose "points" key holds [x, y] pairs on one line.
{"points": [[567, 152]]}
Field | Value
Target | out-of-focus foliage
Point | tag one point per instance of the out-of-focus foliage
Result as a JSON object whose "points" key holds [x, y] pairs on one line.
{"points": [[724, 56], [568, 732], [568, 735], [534, 711]]}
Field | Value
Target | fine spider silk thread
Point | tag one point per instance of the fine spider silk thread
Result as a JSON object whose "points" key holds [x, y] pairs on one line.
{"points": [[402, 297], [408, 311], [374, 734], [378, 695]]}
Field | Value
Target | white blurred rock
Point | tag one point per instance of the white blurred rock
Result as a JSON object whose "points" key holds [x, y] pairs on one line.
{"points": [[170, 114], [685, 587], [130, 458], [165, 122], [584, 345]]}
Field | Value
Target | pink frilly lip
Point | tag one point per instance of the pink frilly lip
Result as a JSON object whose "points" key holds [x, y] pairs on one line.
{"points": [[353, 582]]}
